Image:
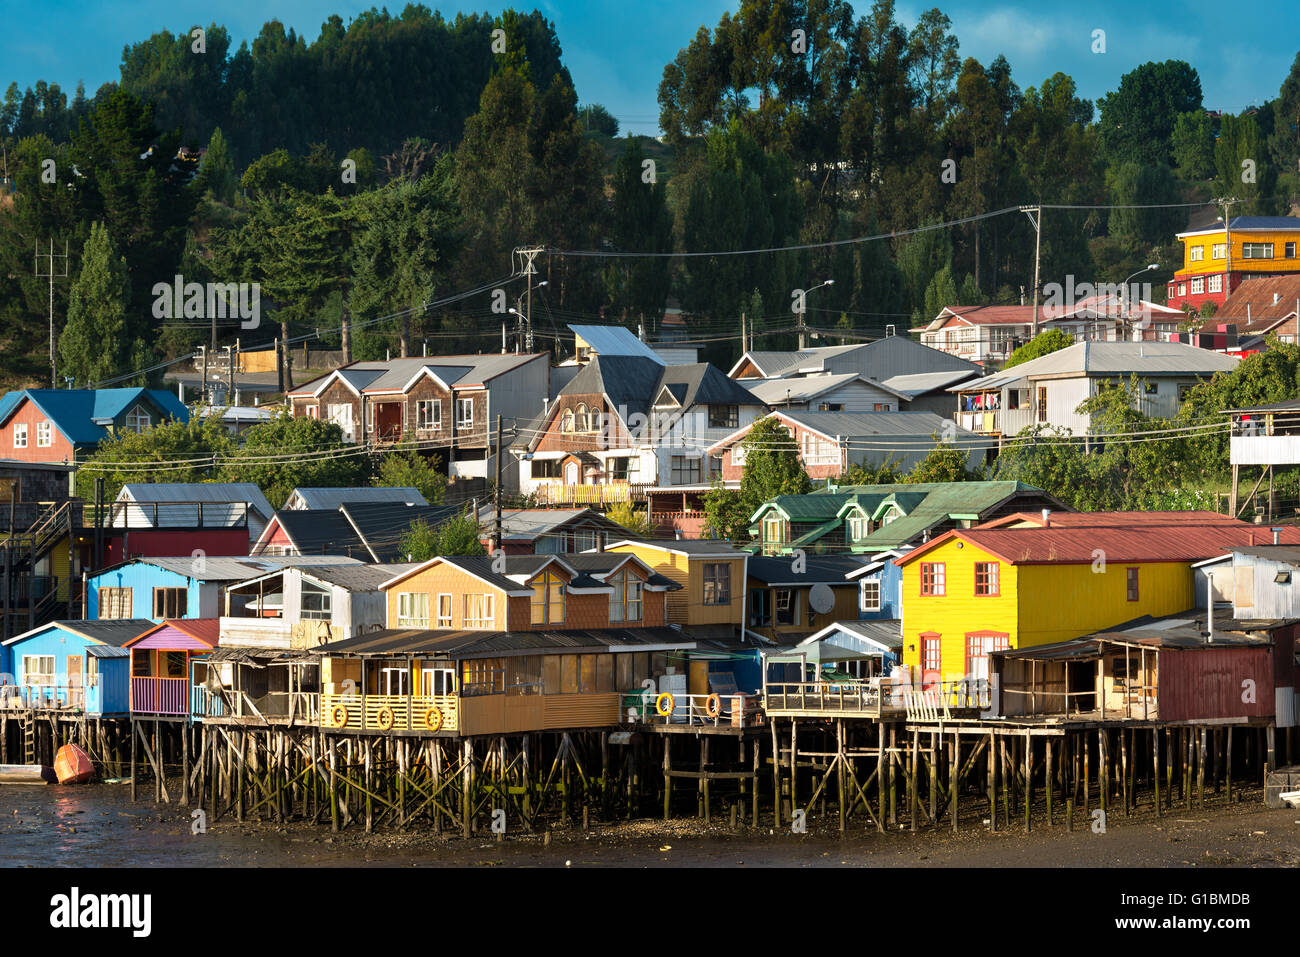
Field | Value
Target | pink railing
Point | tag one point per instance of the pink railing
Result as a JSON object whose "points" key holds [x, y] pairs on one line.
{"points": [[160, 695]]}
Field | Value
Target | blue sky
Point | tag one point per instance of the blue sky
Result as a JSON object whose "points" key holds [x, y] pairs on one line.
{"points": [[616, 49]]}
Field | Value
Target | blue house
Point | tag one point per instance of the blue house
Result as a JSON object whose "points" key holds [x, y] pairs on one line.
{"points": [[75, 665], [880, 587], [184, 587]]}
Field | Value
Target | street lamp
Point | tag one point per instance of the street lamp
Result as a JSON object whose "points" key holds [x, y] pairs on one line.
{"points": [[803, 325], [526, 317], [1123, 293]]}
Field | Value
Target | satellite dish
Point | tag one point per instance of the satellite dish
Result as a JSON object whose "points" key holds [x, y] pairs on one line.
{"points": [[820, 598]]}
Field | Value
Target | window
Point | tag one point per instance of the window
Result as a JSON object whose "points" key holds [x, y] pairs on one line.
{"points": [[724, 416], [483, 676], [548, 599], [1195, 253], [1219, 251], [316, 603], [685, 470], [880, 407], [38, 669], [858, 525], [986, 579], [786, 606], [412, 610], [546, 468], [567, 421], [760, 608], [831, 407], [137, 420], [171, 602], [115, 603], [313, 411], [717, 583], [444, 612], [1017, 398], [1290, 250], [773, 531], [584, 420], [480, 611], [625, 468], [931, 653], [1183, 392], [1198, 285], [1182, 289], [428, 414], [869, 594], [625, 603], [934, 578], [20, 435], [1256, 250], [1215, 283], [819, 451], [464, 413], [1132, 574], [1150, 388], [44, 434]]}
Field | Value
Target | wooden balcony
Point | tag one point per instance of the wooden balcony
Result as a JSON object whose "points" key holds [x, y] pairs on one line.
{"points": [[609, 494], [390, 712], [150, 695]]}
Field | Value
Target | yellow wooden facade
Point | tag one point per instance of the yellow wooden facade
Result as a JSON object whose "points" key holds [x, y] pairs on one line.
{"points": [[1204, 244], [844, 609], [686, 606], [1038, 603]]}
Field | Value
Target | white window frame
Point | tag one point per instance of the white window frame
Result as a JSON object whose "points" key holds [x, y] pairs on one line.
{"points": [[1195, 254], [428, 414], [462, 420], [1219, 251], [38, 675], [44, 434], [1198, 286], [486, 608], [868, 588], [134, 417], [20, 435], [1215, 283], [445, 621], [409, 607]]}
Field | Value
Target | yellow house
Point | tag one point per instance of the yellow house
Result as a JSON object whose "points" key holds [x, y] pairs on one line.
{"points": [[712, 575], [972, 591], [1249, 246]]}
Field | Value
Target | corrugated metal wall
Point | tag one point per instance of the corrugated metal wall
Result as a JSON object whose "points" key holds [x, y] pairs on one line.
{"points": [[1211, 683]]}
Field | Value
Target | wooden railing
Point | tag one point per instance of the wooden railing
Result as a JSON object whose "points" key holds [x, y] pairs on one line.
{"points": [[52, 696], [390, 712], [150, 695], [610, 494], [733, 710], [850, 696]]}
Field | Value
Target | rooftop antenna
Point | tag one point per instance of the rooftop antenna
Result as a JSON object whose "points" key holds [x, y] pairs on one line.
{"points": [[52, 275]]}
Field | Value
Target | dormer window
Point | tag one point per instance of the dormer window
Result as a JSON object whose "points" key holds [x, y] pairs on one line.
{"points": [[548, 599], [859, 527], [137, 420], [584, 420]]}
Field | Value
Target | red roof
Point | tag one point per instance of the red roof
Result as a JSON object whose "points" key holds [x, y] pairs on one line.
{"points": [[1114, 519], [1075, 545], [994, 315]]}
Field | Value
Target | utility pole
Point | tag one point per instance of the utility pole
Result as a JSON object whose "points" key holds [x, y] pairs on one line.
{"points": [[1035, 214], [203, 387], [529, 254], [52, 275], [1227, 202], [496, 503]]}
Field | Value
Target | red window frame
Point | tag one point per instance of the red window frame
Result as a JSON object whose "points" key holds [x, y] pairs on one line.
{"points": [[1131, 582], [929, 579], [988, 641], [931, 660], [992, 579]]}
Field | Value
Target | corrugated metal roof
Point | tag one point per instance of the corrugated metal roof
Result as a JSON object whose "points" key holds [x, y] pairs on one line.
{"points": [[334, 497], [800, 388], [470, 644], [220, 568], [223, 493], [1171, 543], [389, 374], [1114, 519], [1111, 359], [858, 425], [80, 414], [613, 341], [530, 523], [110, 631], [826, 569], [919, 383]]}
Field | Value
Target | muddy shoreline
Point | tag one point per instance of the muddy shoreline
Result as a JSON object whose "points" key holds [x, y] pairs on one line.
{"points": [[99, 826]]}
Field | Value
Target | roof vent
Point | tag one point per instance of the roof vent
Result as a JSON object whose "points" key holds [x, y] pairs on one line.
{"points": [[1047, 518], [1276, 296]]}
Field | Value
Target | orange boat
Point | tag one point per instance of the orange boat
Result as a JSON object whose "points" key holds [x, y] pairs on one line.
{"points": [[73, 765]]}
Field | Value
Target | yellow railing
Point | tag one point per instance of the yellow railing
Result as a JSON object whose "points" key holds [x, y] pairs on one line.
{"points": [[611, 494], [373, 712]]}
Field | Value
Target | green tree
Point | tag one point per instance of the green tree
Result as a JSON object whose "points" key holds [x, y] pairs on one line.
{"points": [[772, 467], [409, 469], [419, 542], [631, 518], [139, 456], [1192, 144], [1137, 119], [287, 452], [943, 463], [218, 168], [1042, 344], [637, 288], [1242, 166], [598, 119], [93, 345], [461, 536]]}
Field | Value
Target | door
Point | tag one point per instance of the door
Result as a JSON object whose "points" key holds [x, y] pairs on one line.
{"points": [[75, 695], [437, 681], [571, 474]]}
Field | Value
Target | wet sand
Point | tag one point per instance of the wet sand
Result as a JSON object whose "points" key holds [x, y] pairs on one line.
{"points": [[98, 826]]}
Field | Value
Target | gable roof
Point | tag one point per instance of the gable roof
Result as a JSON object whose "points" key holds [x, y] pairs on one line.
{"points": [[381, 525], [1079, 545], [109, 631], [82, 415], [802, 388], [397, 375], [481, 567], [205, 630], [218, 568], [818, 569], [875, 360], [334, 497], [532, 523]]}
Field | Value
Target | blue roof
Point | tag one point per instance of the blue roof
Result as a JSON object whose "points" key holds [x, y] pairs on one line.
{"points": [[1265, 222], [614, 341], [82, 414]]}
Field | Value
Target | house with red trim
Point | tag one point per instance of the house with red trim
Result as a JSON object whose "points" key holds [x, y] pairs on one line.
{"points": [[60, 425]]}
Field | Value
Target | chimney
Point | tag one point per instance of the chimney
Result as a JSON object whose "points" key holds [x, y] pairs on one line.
{"points": [[1277, 535], [1047, 518]]}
